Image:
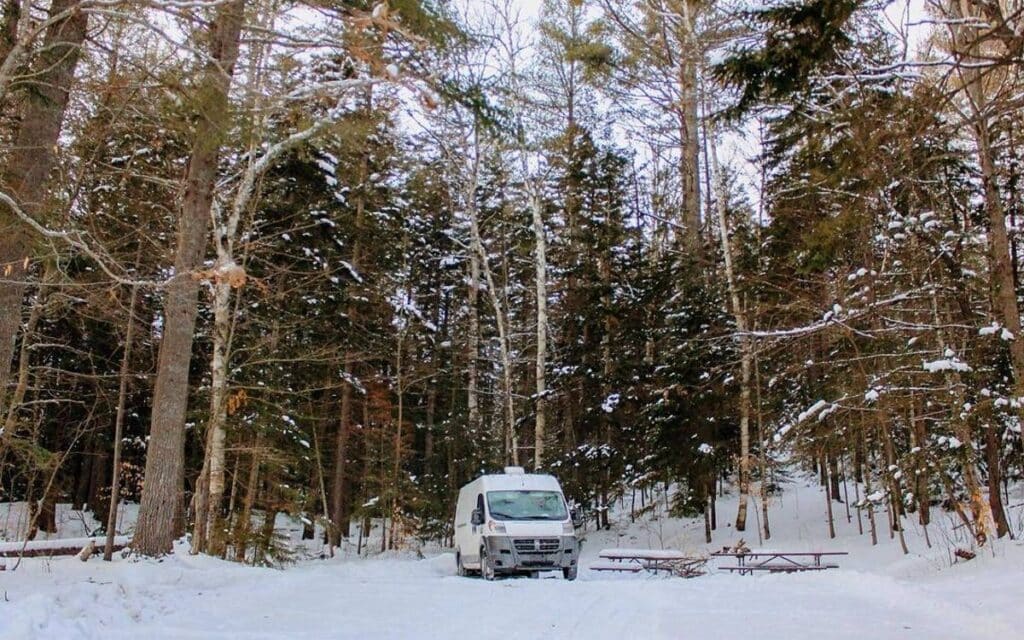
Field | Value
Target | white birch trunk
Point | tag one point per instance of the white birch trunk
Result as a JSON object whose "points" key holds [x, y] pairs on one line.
{"points": [[739, 314], [477, 248], [540, 264]]}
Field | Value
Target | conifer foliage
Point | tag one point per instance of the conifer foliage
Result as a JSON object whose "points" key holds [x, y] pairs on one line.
{"points": [[328, 261]]}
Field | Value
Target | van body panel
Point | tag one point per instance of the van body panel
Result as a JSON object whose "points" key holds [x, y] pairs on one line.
{"points": [[515, 546]]}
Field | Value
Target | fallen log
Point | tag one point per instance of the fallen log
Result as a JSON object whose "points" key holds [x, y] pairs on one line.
{"points": [[62, 547]]}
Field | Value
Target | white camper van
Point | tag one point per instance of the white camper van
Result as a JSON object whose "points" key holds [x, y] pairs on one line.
{"points": [[515, 522]]}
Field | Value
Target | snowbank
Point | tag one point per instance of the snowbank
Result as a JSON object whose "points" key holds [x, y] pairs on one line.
{"points": [[878, 592]]}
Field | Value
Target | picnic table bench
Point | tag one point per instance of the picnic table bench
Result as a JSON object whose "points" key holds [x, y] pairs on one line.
{"points": [[652, 560], [748, 562]]}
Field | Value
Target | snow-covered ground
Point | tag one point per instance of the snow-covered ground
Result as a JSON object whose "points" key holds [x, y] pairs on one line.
{"points": [[878, 593]]}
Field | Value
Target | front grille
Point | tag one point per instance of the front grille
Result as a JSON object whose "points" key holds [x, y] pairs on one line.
{"points": [[536, 545]]}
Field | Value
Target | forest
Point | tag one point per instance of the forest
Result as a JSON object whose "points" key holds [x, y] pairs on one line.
{"points": [[336, 258]]}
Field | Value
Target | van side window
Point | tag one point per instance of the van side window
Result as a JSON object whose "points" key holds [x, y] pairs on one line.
{"points": [[480, 502]]}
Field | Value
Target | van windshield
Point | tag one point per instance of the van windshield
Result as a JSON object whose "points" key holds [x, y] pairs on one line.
{"points": [[526, 505]]}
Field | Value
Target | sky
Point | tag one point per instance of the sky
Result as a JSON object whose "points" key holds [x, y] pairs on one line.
{"points": [[530, 7]]}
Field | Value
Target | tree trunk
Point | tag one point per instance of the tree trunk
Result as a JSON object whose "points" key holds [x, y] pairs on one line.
{"points": [[980, 512], [828, 500], [244, 523], [266, 540], [165, 464], [210, 515], [9, 29], [833, 477], [431, 410], [501, 319], [1004, 296], [689, 171], [762, 453], [1001, 267], [84, 473], [689, 141], [339, 480], [321, 485], [396, 504], [48, 511], [541, 271], [30, 160], [605, 270], [993, 463], [867, 483], [98, 481], [746, 351], [122, 393], [895, 488], [7, 430], [918, 438]]}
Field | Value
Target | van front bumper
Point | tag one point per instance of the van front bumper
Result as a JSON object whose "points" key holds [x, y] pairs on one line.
{"points": [[514, 553]]}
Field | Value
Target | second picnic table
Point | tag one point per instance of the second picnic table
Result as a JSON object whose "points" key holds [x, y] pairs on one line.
{"points": [[748, 562]]}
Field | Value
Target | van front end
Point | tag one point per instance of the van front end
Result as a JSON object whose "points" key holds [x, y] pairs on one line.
{"points": [[515, 523], [526, 554]]}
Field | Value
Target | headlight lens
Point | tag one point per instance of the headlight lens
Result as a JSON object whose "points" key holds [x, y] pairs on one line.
{"points": [[495, 527], [568, 528]]}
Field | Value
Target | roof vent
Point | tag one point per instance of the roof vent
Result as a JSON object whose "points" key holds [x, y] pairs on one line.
{"points": [[514, 471]]}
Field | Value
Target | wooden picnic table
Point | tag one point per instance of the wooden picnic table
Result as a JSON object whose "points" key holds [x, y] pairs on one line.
{"points": [[652, 560], [747, 562]]}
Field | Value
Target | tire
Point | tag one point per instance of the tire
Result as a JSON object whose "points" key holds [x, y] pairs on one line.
{"points": [[486, 568], [460, 570], [569, 573]]}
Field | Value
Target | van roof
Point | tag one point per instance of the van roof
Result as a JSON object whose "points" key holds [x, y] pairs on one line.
{"points": [[519, 481]]}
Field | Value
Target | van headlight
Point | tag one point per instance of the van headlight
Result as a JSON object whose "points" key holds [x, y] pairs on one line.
{"points": [[568, 528], [495, 527]]}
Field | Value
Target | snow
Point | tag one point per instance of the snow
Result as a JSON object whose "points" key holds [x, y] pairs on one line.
{"points": [[877, 592], [937, 366], [827, 411], [989, 330], [654, 554], [950, 441]]}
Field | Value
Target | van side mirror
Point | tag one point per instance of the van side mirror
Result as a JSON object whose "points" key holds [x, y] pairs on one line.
{"points": [[577, 519], [477, 518]]}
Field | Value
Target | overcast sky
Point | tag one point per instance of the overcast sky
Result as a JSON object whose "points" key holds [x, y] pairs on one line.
{"points": [[530, 7]]}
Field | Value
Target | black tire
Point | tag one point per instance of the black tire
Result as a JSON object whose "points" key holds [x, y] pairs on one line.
{"points": [[569, 573], [460, 570], [486, 568]]}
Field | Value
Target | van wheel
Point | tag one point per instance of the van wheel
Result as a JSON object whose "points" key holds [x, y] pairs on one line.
{"points": [[486, 568], [569, 573], [460, 570]]}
